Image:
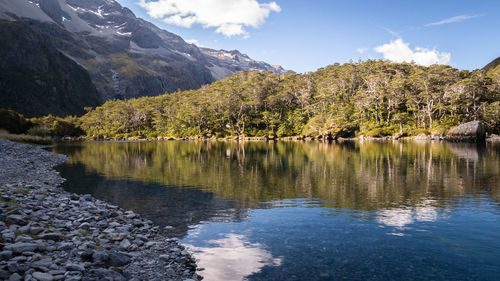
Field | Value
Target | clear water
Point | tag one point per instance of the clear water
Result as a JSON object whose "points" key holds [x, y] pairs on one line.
{"points": [[309, 211]]}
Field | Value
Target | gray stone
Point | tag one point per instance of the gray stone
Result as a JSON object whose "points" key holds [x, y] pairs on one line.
{"points": [[19, 259], [5, 255], [51, 236], [118, 259], [107, 274], [87, 255], [8, 236], [41, 276], [468, 132], [125, 244], [16, 219], [85, 225], [4, 274], [23, 238], [64, 246], [36, 230], [15, 277], [20, 247], [13, 267], [117, 236], [74, 267], [56, 272]]}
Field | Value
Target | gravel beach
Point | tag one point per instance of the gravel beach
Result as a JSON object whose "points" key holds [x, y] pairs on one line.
{"points": [[50, 234]]}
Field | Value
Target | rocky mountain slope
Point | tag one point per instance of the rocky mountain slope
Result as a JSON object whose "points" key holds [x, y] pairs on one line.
{"points": [[493, 67], [36, 79], [126, 56]]}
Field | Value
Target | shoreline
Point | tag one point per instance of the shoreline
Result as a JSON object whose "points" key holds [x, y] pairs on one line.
{"points": [[419, 138], [50, 234]]}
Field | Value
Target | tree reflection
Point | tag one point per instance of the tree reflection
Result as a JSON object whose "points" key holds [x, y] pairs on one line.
{"points": [[359, 176]]}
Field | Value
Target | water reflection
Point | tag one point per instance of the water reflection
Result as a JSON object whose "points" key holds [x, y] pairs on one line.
{"points": [[232, 257], [365, 176], [309, 211], [401, 218], [168, 206]]}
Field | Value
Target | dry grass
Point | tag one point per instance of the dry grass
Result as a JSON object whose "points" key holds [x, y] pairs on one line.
{"points": [[25, 138]]}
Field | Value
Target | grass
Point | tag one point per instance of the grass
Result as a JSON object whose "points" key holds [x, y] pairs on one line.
{"points": [[7, 201], [21, 191], [25, 138]]}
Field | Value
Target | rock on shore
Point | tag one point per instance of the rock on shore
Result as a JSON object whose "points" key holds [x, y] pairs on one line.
{"points": [[469, 132], [49, 234]]}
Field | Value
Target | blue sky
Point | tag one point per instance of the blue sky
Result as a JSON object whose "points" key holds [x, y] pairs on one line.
{"points": [[305, 35]]}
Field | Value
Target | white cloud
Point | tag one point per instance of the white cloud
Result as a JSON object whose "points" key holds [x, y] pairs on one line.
{"points": [[361, 50], [399, 51], [229, 17], [453, 20]]}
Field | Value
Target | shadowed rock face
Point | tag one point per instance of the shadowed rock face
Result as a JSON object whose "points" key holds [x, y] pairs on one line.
{"points": [[126, 56], [36, 79], [472, 131]]}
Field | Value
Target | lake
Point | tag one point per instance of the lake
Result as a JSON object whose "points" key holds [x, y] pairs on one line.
{"points": [[308, 210]]}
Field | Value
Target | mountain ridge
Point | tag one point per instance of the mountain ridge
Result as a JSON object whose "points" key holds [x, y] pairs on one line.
{"points": [[126, 56], [493, 66]]}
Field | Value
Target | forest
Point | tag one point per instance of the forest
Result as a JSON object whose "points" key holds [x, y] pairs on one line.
{"points": [[372, 98]]}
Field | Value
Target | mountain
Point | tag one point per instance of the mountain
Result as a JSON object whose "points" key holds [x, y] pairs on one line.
{"points": [[125, 56], [493, 67], [36, 79], [226, 63]]}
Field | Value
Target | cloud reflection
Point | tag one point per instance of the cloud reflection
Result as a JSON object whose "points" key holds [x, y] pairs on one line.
{"points": [[232, 258], [401, 217]]}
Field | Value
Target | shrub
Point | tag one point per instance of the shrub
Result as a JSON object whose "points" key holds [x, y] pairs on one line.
{"points": [[40, 131], [14, 122], [64, 128]]}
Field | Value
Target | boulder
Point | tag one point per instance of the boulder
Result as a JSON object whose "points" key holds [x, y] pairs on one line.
{"points": [[468, 132]]}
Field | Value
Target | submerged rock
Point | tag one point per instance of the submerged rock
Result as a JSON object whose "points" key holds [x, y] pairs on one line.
{"points": [[468, 132]]}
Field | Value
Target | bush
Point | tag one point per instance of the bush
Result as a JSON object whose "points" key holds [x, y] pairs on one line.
{"points": [[62, 128], [380, 132], [40, 131], [416, 132], [491, 117], [13, 122]]}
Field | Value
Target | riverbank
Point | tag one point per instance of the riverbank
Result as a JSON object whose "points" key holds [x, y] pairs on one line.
{"points": [[50, 234]]}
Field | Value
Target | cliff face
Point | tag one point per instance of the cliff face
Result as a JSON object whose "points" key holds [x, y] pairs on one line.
{"points": [[125, 56], [36, 79]]}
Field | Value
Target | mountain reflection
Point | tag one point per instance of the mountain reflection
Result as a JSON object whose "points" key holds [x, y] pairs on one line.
{"points": [[232, 258], [358, 176]]}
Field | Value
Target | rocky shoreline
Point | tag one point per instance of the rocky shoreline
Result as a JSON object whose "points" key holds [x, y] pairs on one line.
{"points": [[473, 131], [50, 234]]}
